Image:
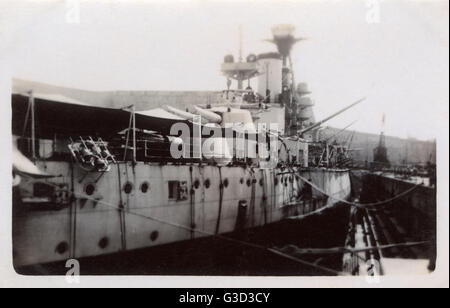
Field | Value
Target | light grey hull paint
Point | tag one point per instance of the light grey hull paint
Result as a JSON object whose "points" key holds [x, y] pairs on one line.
{"points": [[91, 228]]}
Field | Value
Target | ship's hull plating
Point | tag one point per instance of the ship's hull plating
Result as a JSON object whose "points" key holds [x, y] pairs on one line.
{"points": [[115, 218]]}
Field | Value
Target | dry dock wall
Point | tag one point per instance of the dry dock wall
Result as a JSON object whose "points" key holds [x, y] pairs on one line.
{"points": [[416, 209]]}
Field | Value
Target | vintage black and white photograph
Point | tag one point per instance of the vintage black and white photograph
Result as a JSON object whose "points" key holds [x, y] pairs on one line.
{"points": [[291, 138]]}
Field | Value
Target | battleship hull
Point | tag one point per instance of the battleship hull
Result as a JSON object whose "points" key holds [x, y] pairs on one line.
{"points": [[142, 205]]}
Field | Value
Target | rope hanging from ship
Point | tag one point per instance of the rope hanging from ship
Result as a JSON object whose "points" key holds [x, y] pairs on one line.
{"points": [[272, 250], [240, 242], [292, 249], [361, 205], [276, 251], [318, 211], [221, 192]]}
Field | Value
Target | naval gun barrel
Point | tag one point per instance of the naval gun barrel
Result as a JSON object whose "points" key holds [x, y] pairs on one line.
{"points": [[305, 130], [340, 131]]}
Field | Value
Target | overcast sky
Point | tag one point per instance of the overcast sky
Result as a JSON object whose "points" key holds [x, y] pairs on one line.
{"points": [[400, 63]]}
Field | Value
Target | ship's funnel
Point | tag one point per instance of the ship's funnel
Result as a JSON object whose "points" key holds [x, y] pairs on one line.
{"points": [[269, 81]]}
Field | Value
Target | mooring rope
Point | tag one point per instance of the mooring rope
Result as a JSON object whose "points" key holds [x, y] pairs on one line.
{"points": [[244, 243], [219, 236], [318, 211], [335, 250]]}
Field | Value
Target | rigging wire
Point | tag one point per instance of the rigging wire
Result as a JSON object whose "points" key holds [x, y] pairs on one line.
{"points": [[337, 250], [359, 205], [236, 241], [339, 132], [271, 250]]}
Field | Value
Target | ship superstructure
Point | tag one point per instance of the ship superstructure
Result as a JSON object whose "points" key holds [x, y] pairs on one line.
{"points": [[91, 181]]}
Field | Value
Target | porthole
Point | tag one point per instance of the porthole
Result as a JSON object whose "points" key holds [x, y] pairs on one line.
{"points": [[103, 243], [197, 184], [207, 183], [90, 189], [145, 187], [226, 183], [62, 248], [276, 181], [242, 181], [261, 182], [249, 182], [154, 236], [128, 188]]}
